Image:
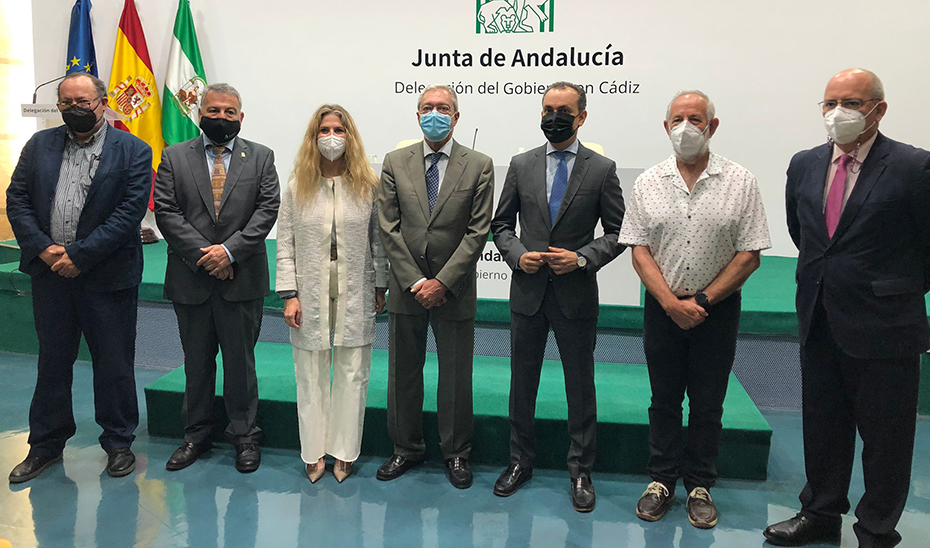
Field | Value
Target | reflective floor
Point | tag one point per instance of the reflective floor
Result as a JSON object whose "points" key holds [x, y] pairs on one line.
{"points": [[211, 505]]}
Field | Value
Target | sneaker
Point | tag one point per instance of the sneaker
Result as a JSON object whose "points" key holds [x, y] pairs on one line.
{"points": [[701, 510], [655, 502]]}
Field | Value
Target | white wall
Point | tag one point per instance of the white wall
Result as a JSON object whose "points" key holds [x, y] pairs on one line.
{"points": [[764, 64]]}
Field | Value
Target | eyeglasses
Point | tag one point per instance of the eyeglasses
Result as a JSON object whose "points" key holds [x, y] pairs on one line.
{"points": [[441, 108], [83, 103], [851, 104]]}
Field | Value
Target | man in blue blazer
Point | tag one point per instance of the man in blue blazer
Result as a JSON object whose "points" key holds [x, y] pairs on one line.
{"points": [[859, 211], [75, 202]]}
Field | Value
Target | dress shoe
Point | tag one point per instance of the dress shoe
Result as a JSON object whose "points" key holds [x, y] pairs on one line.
{"points": [[185, 455], [702, 513], [512, 479], [121, 462], [342, 470], [248, 457], [655, 502], [459, 472], [582, 494], [395, 467], [316, 471], [801, 530], [32, 467]]}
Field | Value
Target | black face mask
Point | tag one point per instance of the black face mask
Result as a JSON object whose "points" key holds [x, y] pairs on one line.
{"points": [[79, 120], [558, 126], [219, 130]]}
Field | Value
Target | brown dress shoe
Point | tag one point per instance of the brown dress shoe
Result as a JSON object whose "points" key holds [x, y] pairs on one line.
{"points": [[702, 513], [655, 502]]}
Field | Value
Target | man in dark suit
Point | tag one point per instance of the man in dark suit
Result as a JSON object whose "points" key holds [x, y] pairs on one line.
{"points": [[859, 211], [434, 205], [216, 199], [75, 202], [559, 190]]}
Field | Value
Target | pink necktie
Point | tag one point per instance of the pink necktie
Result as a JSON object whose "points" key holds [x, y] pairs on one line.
{"points": [[835, 196]]}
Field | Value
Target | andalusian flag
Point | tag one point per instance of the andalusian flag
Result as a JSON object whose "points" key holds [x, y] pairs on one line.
{"points": [[133, 92], [185, 81]]}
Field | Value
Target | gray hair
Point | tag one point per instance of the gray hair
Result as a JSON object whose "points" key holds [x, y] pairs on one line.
{"points": [[582, 97], [443, 87], [877, 88], [710, 112], [99, 85], [221, 88]]}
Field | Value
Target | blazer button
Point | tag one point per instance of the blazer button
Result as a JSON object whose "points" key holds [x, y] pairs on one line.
{"points": [[423, 257], [429, 230]]}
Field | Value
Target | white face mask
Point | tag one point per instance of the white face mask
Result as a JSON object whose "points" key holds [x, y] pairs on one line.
{"points": [[845, 125], [688, 141], [331, 147]]}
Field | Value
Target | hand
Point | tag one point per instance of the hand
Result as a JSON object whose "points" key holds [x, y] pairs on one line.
{"points": [[64, 267], [561, 261], [430, 293], [51, 254], [224, 273], [531, 261], [686, 313], [148, 236], [214, 258], [380, 301], [292, 313]]}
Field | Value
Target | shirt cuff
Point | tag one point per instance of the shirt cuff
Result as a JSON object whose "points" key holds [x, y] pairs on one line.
{"points": [[288, 294], [228, 254], [418, 282]]}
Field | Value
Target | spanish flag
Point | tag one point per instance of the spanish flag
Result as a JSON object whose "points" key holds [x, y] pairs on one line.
{"points": [[133, 93]]}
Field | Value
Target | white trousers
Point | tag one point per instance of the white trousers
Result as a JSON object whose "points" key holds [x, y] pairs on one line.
{"points": [[332, 386]]}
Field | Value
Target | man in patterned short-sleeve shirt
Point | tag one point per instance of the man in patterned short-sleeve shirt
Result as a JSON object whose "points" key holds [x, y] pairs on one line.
{"points": [[696, 225]]}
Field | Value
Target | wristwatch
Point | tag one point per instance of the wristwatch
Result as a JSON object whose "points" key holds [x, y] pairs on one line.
{"points": [[582, 262], [701, 298]]}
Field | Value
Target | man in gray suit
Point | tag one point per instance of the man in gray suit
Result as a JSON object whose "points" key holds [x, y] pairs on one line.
{"points": [[216, 199], [559, 191], [434, 204]]}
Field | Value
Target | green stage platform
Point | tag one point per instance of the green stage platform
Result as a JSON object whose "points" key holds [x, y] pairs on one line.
{"points": [[623, 400]]}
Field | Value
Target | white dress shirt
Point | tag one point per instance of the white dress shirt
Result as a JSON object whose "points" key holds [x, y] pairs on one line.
{"points": [[693, 235], [852, 169]]}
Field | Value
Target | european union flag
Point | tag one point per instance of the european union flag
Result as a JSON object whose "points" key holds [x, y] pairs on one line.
{"points": [[81, 55]]}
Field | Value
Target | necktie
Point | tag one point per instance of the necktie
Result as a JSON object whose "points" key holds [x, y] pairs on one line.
{"points": [[559, 184], [835, 195], [432, 180], [218, 177]]}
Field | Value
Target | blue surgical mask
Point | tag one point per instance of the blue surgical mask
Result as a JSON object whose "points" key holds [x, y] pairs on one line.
{"points": [[435, 126]]}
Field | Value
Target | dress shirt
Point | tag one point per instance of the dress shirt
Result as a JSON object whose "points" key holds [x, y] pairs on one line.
{"points": [[446, 152], [211, 157], [552, 163], [693, 235], [852, 169], [78, 167]]}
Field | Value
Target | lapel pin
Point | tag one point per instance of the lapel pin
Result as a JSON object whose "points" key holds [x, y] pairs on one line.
{"points": [[242, 154]]}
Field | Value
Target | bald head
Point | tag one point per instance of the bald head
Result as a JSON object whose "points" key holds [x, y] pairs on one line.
{"points": [[863, 80]]}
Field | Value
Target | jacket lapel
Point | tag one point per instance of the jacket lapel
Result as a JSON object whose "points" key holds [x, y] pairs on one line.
{"points": [[574, 180], [870, 172], [538, 173], [54, 153], [197, 161], [240, 155], [105, 163], [454, 171], [814, 189], [417, 173]]}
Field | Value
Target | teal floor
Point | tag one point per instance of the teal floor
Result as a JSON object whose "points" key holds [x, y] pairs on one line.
{"points": [[211, 505]]}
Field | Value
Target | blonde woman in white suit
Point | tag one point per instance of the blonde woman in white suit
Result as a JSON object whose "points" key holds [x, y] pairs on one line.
{"points": [[333, 274]]}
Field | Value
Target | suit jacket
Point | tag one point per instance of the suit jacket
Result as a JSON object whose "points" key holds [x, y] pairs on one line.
{"points": [[871, 276], [108, 249], [185, 216], [593, 193], [445, 245]]}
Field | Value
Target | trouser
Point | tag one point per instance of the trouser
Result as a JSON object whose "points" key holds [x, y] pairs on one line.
{"points": [[697, 361], [233, 327], [331, 408], [576, 339], [878, 397], [455, 346], [63, 310]]}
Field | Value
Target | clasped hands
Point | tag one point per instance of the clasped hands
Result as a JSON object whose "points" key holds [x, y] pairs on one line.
{"points": [[430, 293], [686, 313], [561, 261], [216, 262], [56, 257]]}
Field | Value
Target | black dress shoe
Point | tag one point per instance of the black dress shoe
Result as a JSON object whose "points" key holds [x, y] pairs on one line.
{"points": [[185, 455], [801, 530], [459, 472], [121, 462], [395, 467], [582, 494], [512, 479], [248, 457], [32, 467], [655, 502]]}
